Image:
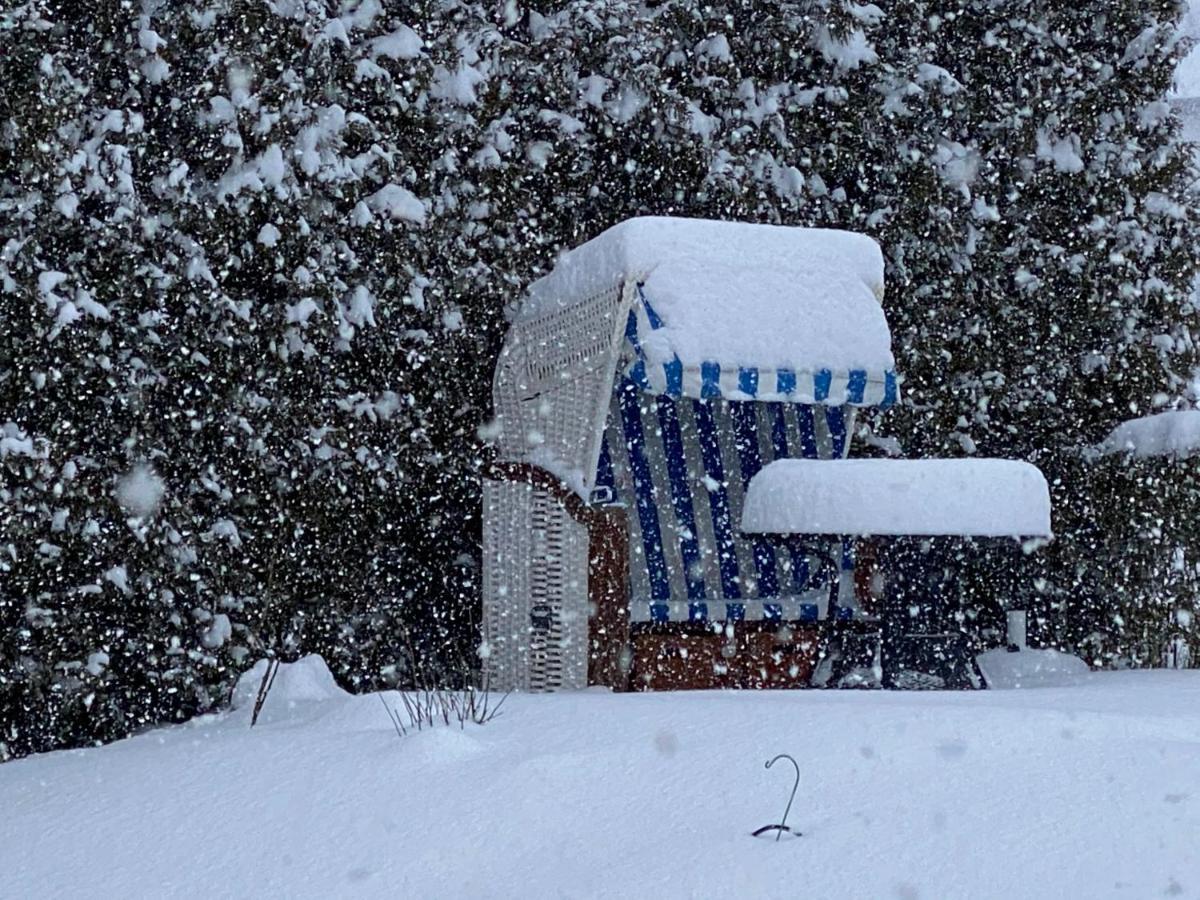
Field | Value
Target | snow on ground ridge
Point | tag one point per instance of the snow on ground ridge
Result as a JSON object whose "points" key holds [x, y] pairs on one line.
{"points": [[1089, 790]]}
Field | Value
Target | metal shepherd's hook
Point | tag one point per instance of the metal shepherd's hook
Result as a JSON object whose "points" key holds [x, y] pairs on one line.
{"points": [[782, 826]]}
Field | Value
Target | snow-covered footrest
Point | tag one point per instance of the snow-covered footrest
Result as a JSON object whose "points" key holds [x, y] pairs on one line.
{"points": [[898, 497]]}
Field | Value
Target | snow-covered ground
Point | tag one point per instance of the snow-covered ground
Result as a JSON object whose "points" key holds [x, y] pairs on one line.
{"points": [[1087, 790]]}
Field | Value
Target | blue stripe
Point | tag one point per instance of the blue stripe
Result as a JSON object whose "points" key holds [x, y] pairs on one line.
{"points": [[808, 612], [835, 416], [748, 382], [697, 612], [890, 392], [651, 315], [681, 497], [808, 431], [785, 381], [718, 500], [821, 383], [778, 430], [643, 485], [745, 438], [674, 372], [816, 576], [660, 612], [637, 374], [604, 468], [856, 386], [800, 573], [735, 612], [710, 380], [631, 333]]}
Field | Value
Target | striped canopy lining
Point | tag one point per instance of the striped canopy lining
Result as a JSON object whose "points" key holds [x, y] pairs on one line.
{"points": [[682, 466], [712, 380]]}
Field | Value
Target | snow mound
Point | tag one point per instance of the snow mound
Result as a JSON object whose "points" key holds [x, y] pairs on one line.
{"points": [[1003, 670], [1165, 434], [307, 680], [763, 296], [980, 497]]}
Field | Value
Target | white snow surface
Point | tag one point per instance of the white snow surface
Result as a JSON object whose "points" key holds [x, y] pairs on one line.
{"points": [[1030, 668], [764, 296], [1187, 74], [968, 497], [140, 491], [1163, 434], [1091, 790], [398, 202]]}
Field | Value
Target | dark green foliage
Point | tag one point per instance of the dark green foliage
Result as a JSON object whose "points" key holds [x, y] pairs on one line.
{"points": [[317, 444]]}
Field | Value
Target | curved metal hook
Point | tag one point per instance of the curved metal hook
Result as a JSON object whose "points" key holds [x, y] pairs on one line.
{"points": [[795, 786]]}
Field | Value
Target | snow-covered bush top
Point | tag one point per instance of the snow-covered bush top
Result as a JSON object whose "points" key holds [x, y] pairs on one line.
{"points": [[1163, 434]]}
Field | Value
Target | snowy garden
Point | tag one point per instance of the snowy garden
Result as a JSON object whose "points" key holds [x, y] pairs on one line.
{"points": [[453, 448], [1087, 788]]}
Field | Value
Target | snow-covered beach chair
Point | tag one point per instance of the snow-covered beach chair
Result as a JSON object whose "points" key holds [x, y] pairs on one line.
{"points": [[643, 383]]}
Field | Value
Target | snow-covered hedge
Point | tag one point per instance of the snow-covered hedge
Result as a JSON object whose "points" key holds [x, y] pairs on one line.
{"points": [[255, 256]]}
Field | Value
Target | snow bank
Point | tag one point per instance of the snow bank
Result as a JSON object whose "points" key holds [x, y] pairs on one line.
{"points": [[762, 296], [1083, 791], [1165, 434], [977, 497], [1003, 670]]}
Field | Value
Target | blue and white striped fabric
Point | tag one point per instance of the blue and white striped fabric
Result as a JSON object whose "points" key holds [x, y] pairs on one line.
{"points": [[715, 379], [682, 466]]}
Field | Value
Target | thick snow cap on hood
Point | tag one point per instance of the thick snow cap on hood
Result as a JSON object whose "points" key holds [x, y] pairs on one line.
{"points": [[737, 294]]}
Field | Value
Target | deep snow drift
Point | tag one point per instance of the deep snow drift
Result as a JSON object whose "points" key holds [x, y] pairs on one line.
{"points": [[1087, 790]]}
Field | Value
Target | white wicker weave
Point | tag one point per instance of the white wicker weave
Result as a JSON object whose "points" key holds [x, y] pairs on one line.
{"points": [[553, 384], [551, 392], [535, 590]]}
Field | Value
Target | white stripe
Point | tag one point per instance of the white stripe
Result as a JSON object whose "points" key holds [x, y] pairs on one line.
{"points": [[731, 465], [821, 429], [838, 389], [873, 393], [850, 416], [657, 377], [806, 389], [668, 524], [728, 382], [639, 611], [700, 498]]}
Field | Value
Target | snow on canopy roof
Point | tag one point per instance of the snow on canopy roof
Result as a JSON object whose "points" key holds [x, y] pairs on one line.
{"points": [[754, 296], [1164, 434], [924, 497]]}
